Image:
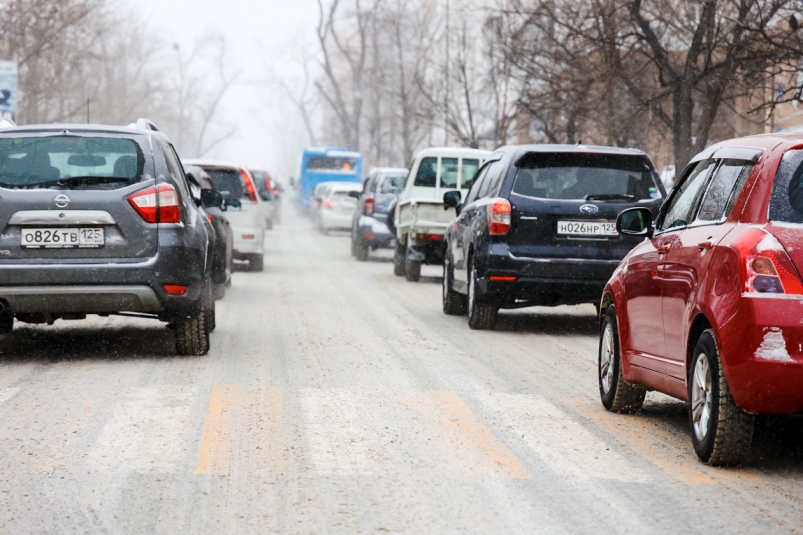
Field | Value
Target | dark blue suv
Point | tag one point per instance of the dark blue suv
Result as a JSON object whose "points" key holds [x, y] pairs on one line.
{"points": [[538, 227], [371, 228]]}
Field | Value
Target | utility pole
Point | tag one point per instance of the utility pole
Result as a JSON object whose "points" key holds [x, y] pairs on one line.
{"points": [[446, 93]]}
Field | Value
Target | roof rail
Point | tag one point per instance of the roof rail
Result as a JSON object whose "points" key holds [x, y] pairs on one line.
{"points": [[144, 124], [7, 123]]}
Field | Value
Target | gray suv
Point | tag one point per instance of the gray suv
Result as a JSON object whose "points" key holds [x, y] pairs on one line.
{"points": [[100, 220]]}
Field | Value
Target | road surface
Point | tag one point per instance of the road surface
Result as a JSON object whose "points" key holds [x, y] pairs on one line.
{"points": [[338, 398]]}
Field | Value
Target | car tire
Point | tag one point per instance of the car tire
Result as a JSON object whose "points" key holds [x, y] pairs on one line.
{"points": [[721, 431], [353, 244], [209, 315], [399, 260], [454, 303], [218, 291], [616, 394], [256, 263], [412, 268], [6, 323], [361, 251], [192, 335], [481, 316], [268, 225]]}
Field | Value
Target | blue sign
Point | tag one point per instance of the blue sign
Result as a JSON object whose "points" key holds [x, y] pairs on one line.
{"points": [[8, 90]]}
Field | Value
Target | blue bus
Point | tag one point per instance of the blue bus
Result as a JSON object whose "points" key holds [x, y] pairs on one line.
{"points": [[326, 164]]}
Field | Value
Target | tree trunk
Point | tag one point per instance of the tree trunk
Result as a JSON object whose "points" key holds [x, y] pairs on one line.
{"points": [[682, 109]]}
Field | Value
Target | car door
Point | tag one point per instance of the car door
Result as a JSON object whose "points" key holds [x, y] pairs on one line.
{"points": [[644, 277], [687, 260], [461, 234]]}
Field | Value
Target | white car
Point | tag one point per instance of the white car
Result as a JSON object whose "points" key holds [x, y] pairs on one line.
{"points": [[243, 209], [337, 206]]}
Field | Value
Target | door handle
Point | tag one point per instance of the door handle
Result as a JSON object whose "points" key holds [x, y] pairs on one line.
{"points": [[663, 249], [706, 245]]}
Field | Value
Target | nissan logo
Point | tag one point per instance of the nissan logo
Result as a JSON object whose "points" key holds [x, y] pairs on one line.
{"points": [[589, 209], [62, 201]]}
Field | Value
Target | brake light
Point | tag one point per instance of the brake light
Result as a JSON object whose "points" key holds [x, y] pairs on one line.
{"points": [[175, 289], [249, 186], [766, 268], [166, 210], [503, 278], [429, 237], [276, 192], [328, 203], [368, 206], [499, 217]]}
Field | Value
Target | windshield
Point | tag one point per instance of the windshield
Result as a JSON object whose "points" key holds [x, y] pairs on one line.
{"points": [[392, 184], [228, 182], [330, 163], [27, 162], [585, 177], [787, 193]]}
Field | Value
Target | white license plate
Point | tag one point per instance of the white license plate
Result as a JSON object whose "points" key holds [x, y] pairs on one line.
{"points": [[62, 238], [587, 228]]}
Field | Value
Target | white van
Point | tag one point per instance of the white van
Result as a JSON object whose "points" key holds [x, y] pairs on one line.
{"points": [[420, 218], [243, 209]]}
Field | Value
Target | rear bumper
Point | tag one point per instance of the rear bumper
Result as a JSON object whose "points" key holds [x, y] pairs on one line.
{"points": [[543, 281], [374, 233], [81, 299], [330, 219], [761, 349], [253, 245]]}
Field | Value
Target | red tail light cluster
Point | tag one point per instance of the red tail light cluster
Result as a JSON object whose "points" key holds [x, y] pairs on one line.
{"points": [[175, 289], [499, 217], [429, 237], [249, 185], [328, 204], [766, 268], [165, 209], [368, 206]]}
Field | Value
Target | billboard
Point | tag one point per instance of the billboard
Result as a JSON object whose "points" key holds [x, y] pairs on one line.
{"points": [[8, 90]]}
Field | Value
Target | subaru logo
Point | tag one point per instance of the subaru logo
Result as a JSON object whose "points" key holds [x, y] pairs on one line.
{"points": [[62, 201], [589, 209]]}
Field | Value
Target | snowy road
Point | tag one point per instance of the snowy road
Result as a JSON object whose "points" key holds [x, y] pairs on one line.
{"points": [[338, 398]]}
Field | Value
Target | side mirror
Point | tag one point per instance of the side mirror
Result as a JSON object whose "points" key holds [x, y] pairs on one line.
{"points": [[234, 204], [635, 222], [266, 195], [355, 194], [211, 198], [451, 199]]}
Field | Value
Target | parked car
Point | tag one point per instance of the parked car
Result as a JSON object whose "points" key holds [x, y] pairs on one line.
{"points": [[420, 218], [243, 209], [265, 190], [538, 227], [369, 227], [707, 307], [337, 206], [199, 180], [87, 229]]}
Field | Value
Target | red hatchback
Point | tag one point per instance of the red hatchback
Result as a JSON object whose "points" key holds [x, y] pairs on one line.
{"points": [[709, 307]]}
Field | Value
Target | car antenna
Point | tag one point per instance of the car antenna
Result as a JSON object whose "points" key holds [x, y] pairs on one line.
{"points": [[579, 141], [87, 110]]}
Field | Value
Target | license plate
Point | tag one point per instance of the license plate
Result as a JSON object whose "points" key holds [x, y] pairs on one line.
{"points": [[62, 238], [587, 228]]}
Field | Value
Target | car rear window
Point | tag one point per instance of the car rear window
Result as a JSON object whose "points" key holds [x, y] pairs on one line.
{"points": [[69, 161], [392, 184], [585, 177], [228, 182], [786, 203], [452, 176]]}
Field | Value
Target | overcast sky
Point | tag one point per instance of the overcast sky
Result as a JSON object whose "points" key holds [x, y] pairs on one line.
{"points": [[257, 32]]}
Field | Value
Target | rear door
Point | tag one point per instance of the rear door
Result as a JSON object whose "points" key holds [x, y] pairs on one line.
{"points": [[65, 198], [343, 204], [464, 224], [565, 205]]}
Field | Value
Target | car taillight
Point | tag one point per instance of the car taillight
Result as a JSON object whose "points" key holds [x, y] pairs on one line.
{"points": [[499, 217], [249, 186], [328, 203], [175, 289], [276, 192], [368, 206], [429, 237], [166, 210], [766, 268]]}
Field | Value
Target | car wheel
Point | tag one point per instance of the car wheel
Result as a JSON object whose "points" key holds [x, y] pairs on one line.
{"points": [[412, 268], [219, 291], [353, 243], [454, 303], [721, 431], [6, 322], [192, 334], [256, 263], [617, 395], [481, 316], [361, 250], [398, 260], [209, 315], [268, 225]]}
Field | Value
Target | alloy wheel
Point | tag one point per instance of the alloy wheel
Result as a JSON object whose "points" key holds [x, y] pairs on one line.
{"points": [[606, 359], [701, 397]]}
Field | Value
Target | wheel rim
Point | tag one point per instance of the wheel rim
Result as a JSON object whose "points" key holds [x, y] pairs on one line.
{"points": [[606, 359], [471, 294], [701, 397]]}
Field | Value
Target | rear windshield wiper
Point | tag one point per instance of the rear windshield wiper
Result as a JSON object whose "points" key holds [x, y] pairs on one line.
{"points": [[84, 181], [611, 197]]}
